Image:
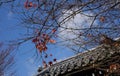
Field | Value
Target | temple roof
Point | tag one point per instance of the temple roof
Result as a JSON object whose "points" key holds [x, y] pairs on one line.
{"points": [[80, 61]]}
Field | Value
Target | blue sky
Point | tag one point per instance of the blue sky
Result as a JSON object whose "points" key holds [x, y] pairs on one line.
{"points": [[25, 57], [25, 62]]}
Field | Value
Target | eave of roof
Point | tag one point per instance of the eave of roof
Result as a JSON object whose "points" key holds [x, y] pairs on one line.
{"points": [[80, 60]]}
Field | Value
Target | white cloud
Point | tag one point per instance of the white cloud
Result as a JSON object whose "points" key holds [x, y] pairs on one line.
{"points": [[70, 37], [79, 21]]}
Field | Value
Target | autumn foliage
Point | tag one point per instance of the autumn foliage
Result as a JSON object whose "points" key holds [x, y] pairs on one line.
{"points": [[50, 16], [41, 41], [28, 4]]}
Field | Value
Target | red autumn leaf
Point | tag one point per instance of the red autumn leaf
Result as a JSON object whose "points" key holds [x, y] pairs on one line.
{"points": [[39, 47], [53, 30], [30, 4], [50, 63], [102, 19], [45, 36], [52, 41], [35, 40], [26, 4], [44, 48], [50, 54], [38, 33]]}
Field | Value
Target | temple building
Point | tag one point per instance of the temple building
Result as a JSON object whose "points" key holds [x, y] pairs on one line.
{"points": [[104, 60]]}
